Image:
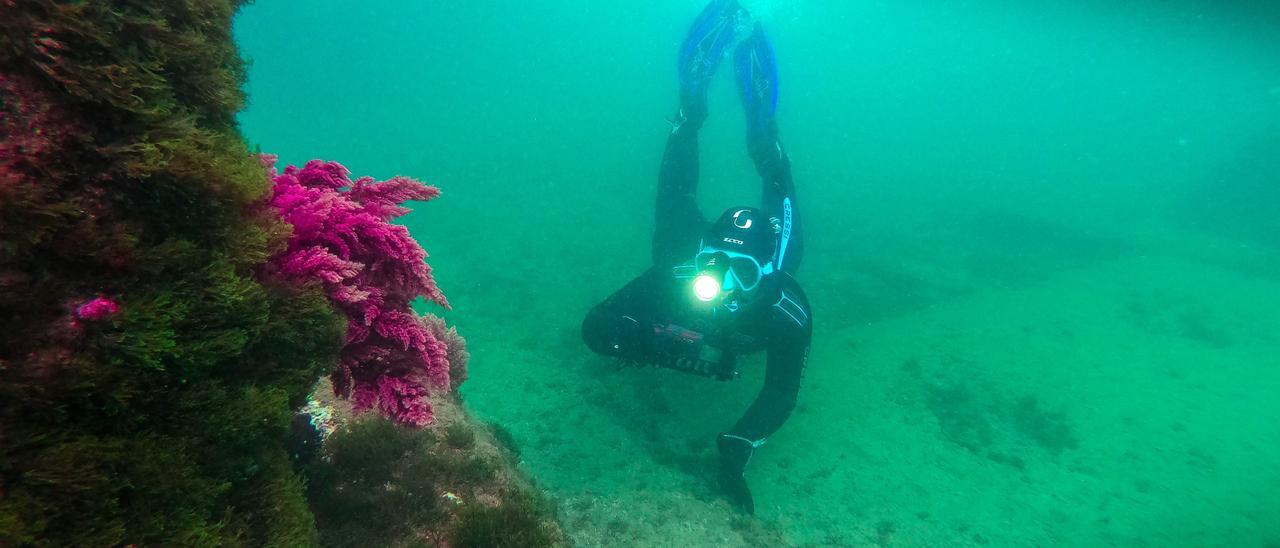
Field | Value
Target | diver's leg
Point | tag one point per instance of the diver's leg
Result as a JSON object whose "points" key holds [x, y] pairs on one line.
{"points": [[757, 77], [677, 221]]}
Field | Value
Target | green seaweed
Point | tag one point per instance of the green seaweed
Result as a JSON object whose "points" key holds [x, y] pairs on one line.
{"points": [[374, 488], [506, 440], [163, 424], [998, 429], [384, 485], [519, 522], [1048, 429], [459, 436]]}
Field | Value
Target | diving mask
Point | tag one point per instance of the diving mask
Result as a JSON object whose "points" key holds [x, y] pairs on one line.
{"points": [[721, 272]]}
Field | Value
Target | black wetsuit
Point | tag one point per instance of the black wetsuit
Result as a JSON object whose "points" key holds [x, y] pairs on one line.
{"points": [[655, 320]]}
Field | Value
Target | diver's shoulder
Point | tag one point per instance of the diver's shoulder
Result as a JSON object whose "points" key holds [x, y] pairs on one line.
{"points": [[789, 286], [790, 304]]}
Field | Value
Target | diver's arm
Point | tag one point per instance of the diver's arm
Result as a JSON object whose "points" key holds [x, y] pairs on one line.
{"points": [[791, 328], [634, 325], [788, 353], [787, 356]]}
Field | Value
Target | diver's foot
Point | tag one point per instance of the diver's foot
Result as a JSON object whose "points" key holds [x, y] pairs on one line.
{"points": [[757, 81], [720, 25]]}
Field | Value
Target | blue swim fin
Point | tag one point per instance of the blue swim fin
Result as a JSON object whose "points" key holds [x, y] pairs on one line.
{"points": [[716, 29], [757, 80]]}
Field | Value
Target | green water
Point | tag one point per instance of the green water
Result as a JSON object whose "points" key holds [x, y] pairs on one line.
{"points": [[1042, 254]]}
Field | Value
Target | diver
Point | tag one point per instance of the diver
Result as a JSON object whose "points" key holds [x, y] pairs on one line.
{"points": [[719, 291]]}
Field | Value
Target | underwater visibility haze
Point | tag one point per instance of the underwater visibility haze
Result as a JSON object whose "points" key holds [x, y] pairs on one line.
{"points": [[1041, 254], [1039, 303]]}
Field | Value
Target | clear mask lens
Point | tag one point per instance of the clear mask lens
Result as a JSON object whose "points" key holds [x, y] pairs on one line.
{"points": [[746, 272]]}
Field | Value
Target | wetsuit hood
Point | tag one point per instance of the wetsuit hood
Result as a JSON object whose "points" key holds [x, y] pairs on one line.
{"points": [[744, 230]]}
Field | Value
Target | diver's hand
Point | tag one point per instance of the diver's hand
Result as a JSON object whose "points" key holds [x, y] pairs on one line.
{"points": [[735, 452]]}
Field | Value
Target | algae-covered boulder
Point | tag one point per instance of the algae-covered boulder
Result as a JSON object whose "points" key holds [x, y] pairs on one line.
{"points": [[161, 322], [452, 483], [147, 376]]}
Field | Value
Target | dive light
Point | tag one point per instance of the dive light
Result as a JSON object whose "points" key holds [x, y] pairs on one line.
{"points": [[711, 277]]}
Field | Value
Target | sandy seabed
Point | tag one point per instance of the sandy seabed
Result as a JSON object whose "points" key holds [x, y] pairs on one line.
{"points": [[1109, 392]]}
